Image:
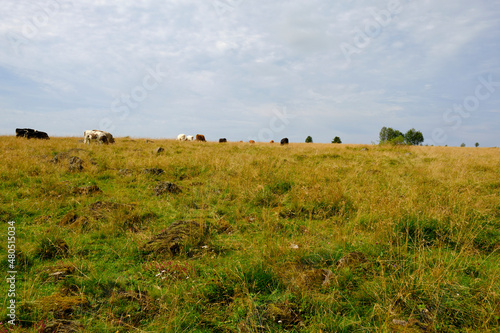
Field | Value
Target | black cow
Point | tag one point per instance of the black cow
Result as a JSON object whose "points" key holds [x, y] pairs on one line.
{"points": [[284, 141], [222, 140], [31, 134]]}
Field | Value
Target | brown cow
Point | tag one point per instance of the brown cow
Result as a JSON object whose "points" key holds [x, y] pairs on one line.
{"points": [[272, 141], [251, 141], [200, 137], [222, 140]]}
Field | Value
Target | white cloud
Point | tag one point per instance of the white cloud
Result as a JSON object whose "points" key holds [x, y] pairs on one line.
{"points": [[226, 71]]}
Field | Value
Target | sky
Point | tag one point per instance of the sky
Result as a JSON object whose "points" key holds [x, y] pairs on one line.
{"points": [[257, 69]]}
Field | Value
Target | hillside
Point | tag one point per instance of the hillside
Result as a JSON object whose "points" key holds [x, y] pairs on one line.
{"points": [[238, 237]]}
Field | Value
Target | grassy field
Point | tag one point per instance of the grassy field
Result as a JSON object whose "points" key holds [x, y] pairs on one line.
{"points": [[242, 237]]}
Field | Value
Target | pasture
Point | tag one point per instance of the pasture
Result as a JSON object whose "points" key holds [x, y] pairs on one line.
{"points": [[295, 238]]}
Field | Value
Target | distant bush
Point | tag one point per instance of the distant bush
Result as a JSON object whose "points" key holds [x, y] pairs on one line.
{"points": [[399, 140], [336, 140], [309, 139]]}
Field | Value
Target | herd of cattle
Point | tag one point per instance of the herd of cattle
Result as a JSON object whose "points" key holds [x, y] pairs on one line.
{"points": [[30, 134], [199, 137], [103, 137]]}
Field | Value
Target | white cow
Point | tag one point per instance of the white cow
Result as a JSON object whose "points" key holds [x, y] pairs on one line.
{"points": [[181, 137], [190, 138], [97, 135]]}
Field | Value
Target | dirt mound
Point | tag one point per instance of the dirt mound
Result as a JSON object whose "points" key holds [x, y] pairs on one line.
{"points": [[352, 259], [62, 307], [50, 249], [286, 314], [75, 164], [74, 221], [66, 155], [69, 218], [153, 171], [166, 187], [179, 237], [87, 190], [60, 326]]}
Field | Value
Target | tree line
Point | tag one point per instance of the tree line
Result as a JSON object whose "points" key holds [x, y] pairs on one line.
{"points": [[390, 135]]}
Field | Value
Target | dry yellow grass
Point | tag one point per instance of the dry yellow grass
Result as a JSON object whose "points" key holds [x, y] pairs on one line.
{"points": [[281, 219]]}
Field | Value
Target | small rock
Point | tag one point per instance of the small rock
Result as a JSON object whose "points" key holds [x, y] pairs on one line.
{"points": [[399, 322], [124, 172], [294, 246]]}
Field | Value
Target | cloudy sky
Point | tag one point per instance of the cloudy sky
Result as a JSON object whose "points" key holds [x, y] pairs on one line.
{"points": [[256, 69]]}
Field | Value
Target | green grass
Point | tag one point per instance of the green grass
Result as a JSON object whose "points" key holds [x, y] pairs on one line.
{"points": [[298, 238]]}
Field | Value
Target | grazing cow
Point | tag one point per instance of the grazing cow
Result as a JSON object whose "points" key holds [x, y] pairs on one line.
{"points": [[190, 138], [222, 140], [181, 137], [251, 141], [284, 141], [97, 135], [272, 141], [31, 134], [110, 137], [200, 137]]}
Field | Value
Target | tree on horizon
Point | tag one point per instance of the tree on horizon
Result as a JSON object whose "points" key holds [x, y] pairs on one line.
{"points": [[336, 140]]}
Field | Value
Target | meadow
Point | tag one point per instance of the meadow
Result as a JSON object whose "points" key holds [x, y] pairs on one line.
{"points": [[239, 237]]}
